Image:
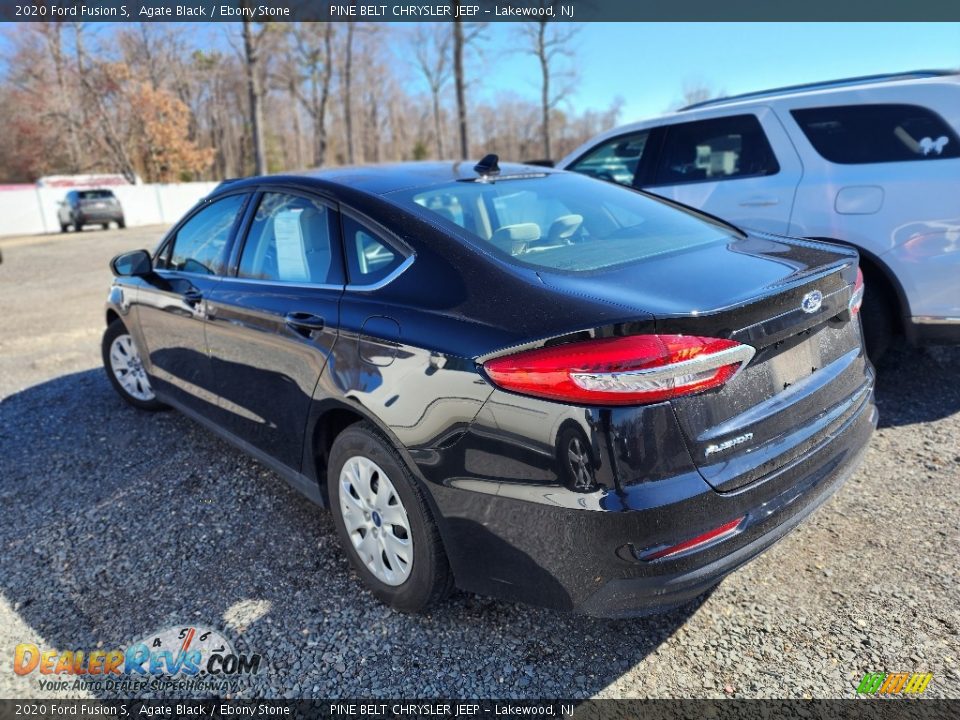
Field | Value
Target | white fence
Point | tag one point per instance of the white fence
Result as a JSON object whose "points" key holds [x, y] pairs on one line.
{"points": [[34, 211]]}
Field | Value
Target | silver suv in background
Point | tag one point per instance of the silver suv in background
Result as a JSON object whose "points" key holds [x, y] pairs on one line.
{"points": [[873, 162], [89, 207]]}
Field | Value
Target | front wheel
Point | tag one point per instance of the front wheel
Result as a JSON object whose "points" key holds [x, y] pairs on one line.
{"points": [[384, 523], [121, 359]]}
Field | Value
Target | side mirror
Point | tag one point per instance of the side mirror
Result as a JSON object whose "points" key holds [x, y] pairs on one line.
{"points": [[132, 264]]}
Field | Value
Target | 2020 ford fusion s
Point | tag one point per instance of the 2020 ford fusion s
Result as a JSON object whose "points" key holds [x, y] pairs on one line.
{"points": [[525, 382]]}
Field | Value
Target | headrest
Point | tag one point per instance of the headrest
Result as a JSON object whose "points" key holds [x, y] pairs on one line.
{"points": [[564, 227], [513, 238]]}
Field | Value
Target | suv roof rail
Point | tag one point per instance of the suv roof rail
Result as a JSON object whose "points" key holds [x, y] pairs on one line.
{"points": [[825, 85]]}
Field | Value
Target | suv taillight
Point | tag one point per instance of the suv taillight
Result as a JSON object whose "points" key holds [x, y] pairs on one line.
{"points": [[628, 370], [856, 300]]}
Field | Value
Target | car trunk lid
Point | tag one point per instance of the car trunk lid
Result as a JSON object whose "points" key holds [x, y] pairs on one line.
{"points": [[789, 301]]}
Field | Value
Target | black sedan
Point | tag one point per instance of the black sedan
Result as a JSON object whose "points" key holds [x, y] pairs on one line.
{"points": [[519, 381]]}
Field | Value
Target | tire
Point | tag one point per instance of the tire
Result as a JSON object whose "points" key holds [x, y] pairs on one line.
{"points": [[121, 223], [116, 346], [63, 228], [77, 226], [876, 315], [105, 226], [360, 452]]}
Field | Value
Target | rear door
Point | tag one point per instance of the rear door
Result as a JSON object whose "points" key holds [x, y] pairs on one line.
{"points": [[272, 323], [172, 303], [742, 168], [886, 179]]}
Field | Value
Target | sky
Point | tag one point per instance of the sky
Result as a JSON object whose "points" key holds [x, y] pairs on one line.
{"points": [[647, 64]]}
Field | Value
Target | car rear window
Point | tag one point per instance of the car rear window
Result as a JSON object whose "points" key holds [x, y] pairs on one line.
{"points": [[95, 194], [565, 221], [859, 134]]}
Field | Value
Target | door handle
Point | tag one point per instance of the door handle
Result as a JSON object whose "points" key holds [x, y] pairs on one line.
{"points": [[760, 201], [304, 321]]}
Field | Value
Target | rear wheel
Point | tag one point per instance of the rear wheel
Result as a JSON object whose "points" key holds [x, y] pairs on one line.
{"points": [[105, 226], [121, 359], [384, 523], [121, 223], [63, 228]]}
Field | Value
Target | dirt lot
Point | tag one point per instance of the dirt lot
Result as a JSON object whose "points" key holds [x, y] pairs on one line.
{"points": [[120, 523]]}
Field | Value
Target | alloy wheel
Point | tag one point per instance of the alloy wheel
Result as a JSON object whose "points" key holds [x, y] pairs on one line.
{"points": [[127, 368]]}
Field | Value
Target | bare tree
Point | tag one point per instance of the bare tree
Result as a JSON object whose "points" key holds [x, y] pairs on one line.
{"points": [[549, 43], [432, 48], [458, 43], [348, 90], [463, 35], [696, 91], [161, 105], [251, 51], [52, 34], [315, 52]]}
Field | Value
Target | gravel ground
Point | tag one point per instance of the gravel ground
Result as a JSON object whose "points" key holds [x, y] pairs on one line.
{"points": [[118, 523]]}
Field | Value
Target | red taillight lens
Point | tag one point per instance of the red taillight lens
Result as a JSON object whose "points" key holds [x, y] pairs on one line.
{"points": [[856, 300], [621, 371]]}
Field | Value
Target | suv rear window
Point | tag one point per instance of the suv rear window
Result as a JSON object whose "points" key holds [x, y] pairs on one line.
{"points": [[564, 221], [95, 194], [859, 134]]}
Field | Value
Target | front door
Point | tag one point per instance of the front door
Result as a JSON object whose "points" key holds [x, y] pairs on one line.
{"points": [[172, 303], [273, 322]]}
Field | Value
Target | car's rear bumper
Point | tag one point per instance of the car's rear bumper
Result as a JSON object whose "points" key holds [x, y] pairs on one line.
{"points": [[547, 545], [93, 216]]}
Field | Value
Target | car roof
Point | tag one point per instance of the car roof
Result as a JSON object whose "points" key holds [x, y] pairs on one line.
{"points": [[854, 82], [838, 91], [386, 178]]}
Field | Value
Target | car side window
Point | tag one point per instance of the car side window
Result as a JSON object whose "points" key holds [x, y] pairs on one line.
{"points": [[199, 243], [615, 160], [291, 240], [370, 258], [718, 149], [860, 134]]}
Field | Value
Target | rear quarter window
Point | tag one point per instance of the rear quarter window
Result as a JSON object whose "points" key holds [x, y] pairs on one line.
{"points": [[862, 134]]}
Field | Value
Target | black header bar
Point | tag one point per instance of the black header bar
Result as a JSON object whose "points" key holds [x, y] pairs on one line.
{"points": [[479, 10], [466, 709]]}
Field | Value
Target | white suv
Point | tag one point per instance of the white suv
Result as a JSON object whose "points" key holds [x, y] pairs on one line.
{"points": [[872, 162]]}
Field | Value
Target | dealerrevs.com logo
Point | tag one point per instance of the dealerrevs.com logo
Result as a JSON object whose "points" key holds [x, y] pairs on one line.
{"points": [[183, 658], [898, 683]]}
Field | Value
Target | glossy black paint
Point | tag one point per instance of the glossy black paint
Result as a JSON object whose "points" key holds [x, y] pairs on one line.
{"points": [[405, 356]]}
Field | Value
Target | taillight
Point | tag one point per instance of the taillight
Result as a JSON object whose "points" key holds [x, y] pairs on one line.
{"points": [[628, 370], [856, 300]]}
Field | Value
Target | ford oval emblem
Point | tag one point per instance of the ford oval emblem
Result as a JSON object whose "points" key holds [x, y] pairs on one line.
{"points": [[812, 301]]}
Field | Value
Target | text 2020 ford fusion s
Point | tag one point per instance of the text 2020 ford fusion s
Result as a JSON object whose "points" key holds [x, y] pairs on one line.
{"points": [[524, 382]]}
